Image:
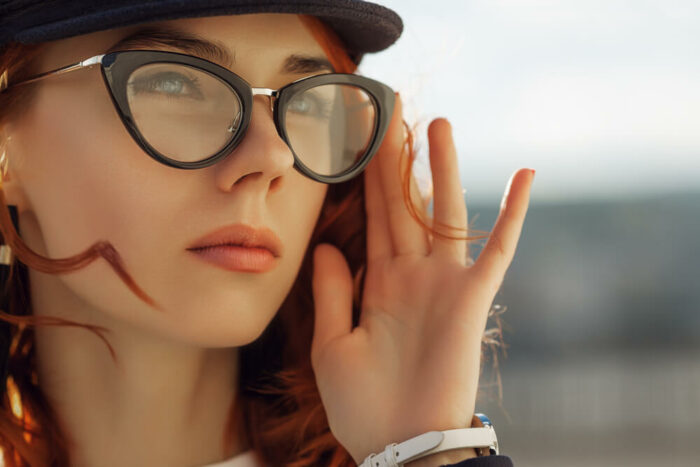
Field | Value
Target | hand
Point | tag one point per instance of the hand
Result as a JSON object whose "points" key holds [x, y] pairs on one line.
{"points": [[412, 364]]}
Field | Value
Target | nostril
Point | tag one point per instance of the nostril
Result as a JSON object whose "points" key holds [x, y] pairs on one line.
{"points": [[244, 177], [275, 183]]}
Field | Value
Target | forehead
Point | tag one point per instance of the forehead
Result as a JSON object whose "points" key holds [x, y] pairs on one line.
{"points": [[271, 34], [253, 41]]}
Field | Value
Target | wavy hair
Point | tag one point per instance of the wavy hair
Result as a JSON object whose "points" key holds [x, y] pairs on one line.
{"points": [[278, 411]]}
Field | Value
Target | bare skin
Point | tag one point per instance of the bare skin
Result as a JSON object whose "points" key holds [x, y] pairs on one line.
{"points": [[78, 177], [424, 308], [412, 364]]}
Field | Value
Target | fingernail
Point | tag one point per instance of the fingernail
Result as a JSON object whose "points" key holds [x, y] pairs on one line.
{"points": [[449, 125], [533, 172], [507, 191]]}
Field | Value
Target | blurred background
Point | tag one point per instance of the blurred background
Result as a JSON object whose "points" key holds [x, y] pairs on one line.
{"points": [[601, 305]]}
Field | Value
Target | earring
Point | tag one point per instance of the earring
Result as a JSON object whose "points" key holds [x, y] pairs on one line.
{"points": [[6, 260], [6, 256], [3, 161]]}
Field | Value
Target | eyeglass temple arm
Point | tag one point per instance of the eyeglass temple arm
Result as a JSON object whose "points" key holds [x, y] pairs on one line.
{"points": [[88, 62]]}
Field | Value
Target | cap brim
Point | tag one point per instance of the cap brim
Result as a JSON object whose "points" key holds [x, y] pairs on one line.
{"points": [[363, 26]]}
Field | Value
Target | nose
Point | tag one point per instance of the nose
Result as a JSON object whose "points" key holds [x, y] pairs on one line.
{"points": [[262, 159]]}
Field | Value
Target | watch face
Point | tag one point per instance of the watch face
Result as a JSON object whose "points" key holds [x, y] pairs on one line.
{"points": [[483, 419]]}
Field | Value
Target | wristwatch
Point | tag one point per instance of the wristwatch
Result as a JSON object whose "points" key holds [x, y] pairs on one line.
{"points": [[481, 420], [481, 436]]}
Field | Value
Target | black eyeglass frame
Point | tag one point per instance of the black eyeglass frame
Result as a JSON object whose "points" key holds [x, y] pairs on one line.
{"points": [[116, 67]]}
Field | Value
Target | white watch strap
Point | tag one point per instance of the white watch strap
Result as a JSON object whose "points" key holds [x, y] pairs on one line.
{"points": [[432, 442]]}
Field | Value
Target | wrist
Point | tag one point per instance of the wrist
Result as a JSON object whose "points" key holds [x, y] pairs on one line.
{"points": [[436, 448]]}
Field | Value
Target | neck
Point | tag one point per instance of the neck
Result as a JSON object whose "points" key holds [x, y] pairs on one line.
{"points": [[166, 403]]}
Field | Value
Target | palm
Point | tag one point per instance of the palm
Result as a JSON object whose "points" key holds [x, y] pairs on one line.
{"points": [[412, 364]]}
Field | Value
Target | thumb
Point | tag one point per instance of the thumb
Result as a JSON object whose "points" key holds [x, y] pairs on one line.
{"points": [[332, 291]]}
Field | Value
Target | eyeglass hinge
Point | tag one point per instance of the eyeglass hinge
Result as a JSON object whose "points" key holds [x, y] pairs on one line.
{"points": [[92, 61]]}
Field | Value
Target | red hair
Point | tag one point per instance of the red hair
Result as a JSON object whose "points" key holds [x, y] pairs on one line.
{"points": [[278, 411]]}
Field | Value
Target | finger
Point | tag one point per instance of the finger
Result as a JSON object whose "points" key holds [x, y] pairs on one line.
{"points": [[332, 294], [406, 233], [500, 247], [378, 234], [421, 206], [449, 209], [428, 212]]}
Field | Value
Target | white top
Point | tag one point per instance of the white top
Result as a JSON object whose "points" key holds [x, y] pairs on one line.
{"points": [[244, 459]]}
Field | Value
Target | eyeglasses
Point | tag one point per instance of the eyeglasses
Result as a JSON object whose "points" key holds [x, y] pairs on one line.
{"points": [[187, 112]]}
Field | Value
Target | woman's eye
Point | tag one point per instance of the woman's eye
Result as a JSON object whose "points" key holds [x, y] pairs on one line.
{"points": [[309, 105], [169, 84], [300, 105]]}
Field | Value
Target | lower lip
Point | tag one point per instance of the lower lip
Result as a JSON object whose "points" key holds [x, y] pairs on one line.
{"points": [[238, 258]]}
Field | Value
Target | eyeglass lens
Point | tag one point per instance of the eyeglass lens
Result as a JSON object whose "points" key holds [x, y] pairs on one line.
{"points": [[188, 115]]}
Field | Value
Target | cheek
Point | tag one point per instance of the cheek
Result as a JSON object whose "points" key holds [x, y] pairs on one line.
{"points": [[217, 307], [87, 180], [238, 306], [76, 164], [296, 212]]}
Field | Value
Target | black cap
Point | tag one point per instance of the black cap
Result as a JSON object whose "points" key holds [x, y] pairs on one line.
{"points": [[362, 26]]}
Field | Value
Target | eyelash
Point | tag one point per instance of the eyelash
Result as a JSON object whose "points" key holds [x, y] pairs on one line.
{"points": [[148, 83], [145, 85], [324, 109]]}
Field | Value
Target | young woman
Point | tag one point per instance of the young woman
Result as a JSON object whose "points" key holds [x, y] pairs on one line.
{"points": [[215, 250]]}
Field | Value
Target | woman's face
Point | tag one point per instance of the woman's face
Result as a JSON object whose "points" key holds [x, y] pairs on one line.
{"points": [[77, 177]]}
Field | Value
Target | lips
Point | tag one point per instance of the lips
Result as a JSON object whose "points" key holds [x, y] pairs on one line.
{"points": [[242, 235]]}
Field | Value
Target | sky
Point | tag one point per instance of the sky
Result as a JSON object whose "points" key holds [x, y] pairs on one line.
{"points": [[601, 97]]}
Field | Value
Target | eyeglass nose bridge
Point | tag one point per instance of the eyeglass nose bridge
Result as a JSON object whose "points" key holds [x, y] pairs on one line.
{"points": [[271, 93]]}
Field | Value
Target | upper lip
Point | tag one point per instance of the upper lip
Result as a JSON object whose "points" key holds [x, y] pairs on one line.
{"points": [[243, 235]]}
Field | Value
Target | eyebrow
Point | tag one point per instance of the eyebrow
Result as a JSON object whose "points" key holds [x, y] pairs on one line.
{"points": [[193, 44]]}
